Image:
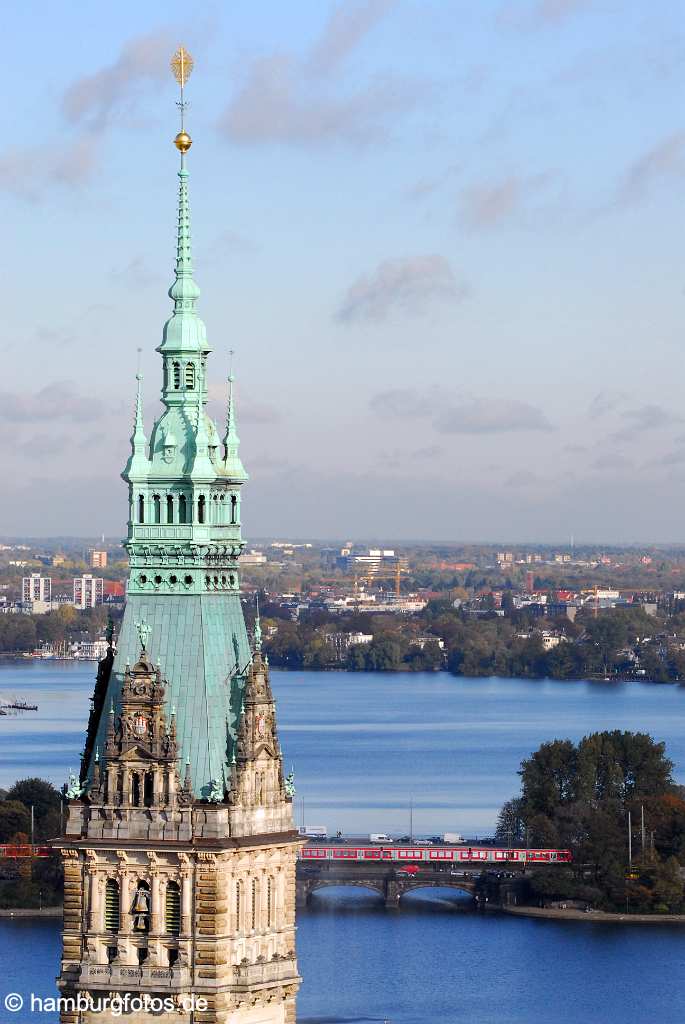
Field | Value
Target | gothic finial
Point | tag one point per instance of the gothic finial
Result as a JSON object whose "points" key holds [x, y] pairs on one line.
{"points": [[232, 462], [257, 629], [138, 464]]}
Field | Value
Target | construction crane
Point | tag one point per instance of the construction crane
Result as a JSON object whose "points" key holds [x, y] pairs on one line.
{"points": [[372, 574]]}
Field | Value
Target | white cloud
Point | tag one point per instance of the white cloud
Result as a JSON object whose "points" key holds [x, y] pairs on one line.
{"points": [[295, 99], [407, 286]]}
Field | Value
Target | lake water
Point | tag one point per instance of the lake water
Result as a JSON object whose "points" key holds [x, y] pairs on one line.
{"points": [[363, 746]]}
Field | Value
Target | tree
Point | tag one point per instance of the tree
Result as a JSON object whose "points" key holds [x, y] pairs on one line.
{"points": [[620, 766], [14, 817], [511, 829], [44, 799], [548, 777], [577, 797]]}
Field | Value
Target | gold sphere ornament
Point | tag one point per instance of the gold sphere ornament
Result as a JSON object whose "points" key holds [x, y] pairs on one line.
{"points": [[183, 142]]}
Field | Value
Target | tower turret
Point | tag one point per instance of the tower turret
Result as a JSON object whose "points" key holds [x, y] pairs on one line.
{"points": [[138, 464], [233, 466], [180, 851]]}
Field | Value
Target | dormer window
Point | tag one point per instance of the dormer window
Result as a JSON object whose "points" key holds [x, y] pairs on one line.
{"points": [[190, 376], [168, 446]]}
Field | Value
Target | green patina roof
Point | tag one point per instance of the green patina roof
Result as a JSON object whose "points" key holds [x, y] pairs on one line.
{"points": [[194, 638], [184, 577]]}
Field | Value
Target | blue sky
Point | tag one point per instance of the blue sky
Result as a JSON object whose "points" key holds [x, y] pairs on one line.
{"points": [[443, 238]]}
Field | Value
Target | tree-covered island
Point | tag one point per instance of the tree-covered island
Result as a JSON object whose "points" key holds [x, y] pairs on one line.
{"points": [[589, 797]]}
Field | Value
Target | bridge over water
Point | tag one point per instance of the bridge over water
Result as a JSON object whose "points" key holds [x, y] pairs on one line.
{"points": [[392, 870]]}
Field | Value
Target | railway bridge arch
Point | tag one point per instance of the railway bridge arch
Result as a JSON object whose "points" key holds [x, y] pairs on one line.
{"points": [[386, 883]]}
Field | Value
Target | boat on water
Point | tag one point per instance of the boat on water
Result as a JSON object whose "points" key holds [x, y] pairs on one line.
{"points": [[15, 706]]}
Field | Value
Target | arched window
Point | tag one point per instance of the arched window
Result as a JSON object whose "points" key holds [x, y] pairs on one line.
{"points": [[234, 510], [182, 509], [157, 508], [201, 509], [177, 376], [141, 508], [238, 904], [111, 905], [141, 908], [190, 376], [169, 509], [172, 909], [269, 901], [254, 904]]}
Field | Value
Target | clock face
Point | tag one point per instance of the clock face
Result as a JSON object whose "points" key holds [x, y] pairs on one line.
{"points": [[140, 725]]}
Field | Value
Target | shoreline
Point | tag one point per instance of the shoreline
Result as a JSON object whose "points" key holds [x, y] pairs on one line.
{"points": [[27, 659], [26, 912], [540, 913], [596, 917]]}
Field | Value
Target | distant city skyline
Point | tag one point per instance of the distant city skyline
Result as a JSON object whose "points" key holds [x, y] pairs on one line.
{"points": [[444, 242]]}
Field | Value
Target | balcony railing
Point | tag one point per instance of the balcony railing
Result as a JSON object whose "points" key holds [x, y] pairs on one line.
{"points": [[248, 975], [122, 976]]}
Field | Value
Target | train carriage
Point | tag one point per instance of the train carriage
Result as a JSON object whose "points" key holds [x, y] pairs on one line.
{"points": [[430, 854]]}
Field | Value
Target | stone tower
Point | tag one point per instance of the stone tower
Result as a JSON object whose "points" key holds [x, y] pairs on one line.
{"points": [[179, 852]]}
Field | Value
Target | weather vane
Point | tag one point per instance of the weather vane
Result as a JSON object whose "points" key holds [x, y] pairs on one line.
{"points": [[182, 65]]}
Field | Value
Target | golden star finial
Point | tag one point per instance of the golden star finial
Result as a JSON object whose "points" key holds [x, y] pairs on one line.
{"points": [[182, 65]]}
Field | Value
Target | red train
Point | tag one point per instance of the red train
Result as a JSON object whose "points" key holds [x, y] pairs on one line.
{"points": [[20, 851], [434, 854]]}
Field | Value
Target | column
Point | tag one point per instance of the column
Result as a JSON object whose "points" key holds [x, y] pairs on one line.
{"points": [[111, 785], [186, 892], [93, 901], [124, 904], [154, 907]]}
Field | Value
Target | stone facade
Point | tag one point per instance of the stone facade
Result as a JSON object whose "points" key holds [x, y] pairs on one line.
{"points": [[175, 898]]}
